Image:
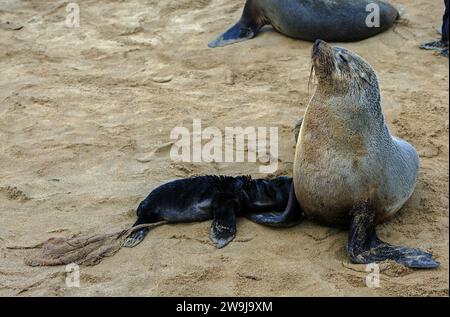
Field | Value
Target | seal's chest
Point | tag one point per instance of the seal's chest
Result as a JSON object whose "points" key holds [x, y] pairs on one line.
{"points": [[331, 157], [328, 143], [327, 180]]}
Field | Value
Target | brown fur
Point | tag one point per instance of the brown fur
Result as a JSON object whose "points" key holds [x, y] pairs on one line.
{"points": [[345, 153]]}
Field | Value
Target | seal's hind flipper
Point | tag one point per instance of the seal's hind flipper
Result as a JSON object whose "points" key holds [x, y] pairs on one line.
{"points": [[135, 238], [291, 216], [247, 27], [223, 227], [434, 45], [237, 33], [365, 247]]}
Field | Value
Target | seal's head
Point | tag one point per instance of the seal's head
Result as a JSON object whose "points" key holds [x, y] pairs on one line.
{"points": [[341, 70]]}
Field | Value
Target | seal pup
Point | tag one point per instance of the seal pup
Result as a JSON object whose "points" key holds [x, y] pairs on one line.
{"points": [[338, 21], [348, 169], [220, 198]]}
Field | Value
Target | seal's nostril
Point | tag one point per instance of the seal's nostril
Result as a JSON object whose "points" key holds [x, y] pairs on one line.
{"points": [[317, 42], [316, 47]]}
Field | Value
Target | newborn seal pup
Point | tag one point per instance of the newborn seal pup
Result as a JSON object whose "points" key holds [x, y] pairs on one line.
{"points": [[338, 21], [348, 169], [220, 198]]}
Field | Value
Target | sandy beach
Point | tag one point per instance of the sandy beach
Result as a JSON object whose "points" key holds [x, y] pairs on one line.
{"points": [[85, 121]]}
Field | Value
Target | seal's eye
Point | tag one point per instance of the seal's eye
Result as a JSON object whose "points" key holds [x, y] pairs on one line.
{"points": [[343, 58]]}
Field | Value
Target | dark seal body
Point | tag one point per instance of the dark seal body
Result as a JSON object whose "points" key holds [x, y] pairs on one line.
{"points": [[330, 20], [220, 198]]}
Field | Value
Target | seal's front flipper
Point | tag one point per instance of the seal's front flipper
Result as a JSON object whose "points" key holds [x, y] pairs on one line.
{"points": [[291, 216], [135, 238], [365, 247], [247, 27], [223, 227]]}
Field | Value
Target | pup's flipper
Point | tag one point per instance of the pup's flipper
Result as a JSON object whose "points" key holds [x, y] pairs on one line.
{"points": [[135, 238], [138, 232], [365, 247], [223, 227]]}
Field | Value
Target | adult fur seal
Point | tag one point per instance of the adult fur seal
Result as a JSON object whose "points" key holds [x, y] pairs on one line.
{"points": [[220, 198], [348, 169], [340, 21]]}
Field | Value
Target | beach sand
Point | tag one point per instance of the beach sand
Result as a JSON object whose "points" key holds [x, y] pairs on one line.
{"points": [[85, 121]]}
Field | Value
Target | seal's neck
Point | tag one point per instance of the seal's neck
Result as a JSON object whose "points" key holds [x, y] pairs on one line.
{"points": [[340, 122], [351, 110]]}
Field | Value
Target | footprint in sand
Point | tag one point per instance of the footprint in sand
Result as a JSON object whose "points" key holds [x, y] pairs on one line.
{"points": [[158, 152]]}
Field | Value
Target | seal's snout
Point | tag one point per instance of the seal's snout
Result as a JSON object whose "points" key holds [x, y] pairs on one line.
{"points": [[319, 42], [322, 60], [317, 47]]}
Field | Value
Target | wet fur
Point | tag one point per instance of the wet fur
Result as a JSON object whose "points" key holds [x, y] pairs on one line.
{"points": [[220, 198]]}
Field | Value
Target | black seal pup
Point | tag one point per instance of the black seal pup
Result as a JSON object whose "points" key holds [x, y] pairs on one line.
{"points": [[348, 168], [337, 21], [220, 198]]}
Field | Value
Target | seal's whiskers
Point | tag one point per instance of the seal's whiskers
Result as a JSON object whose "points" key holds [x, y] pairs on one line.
{"points": [[312, 79]]}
